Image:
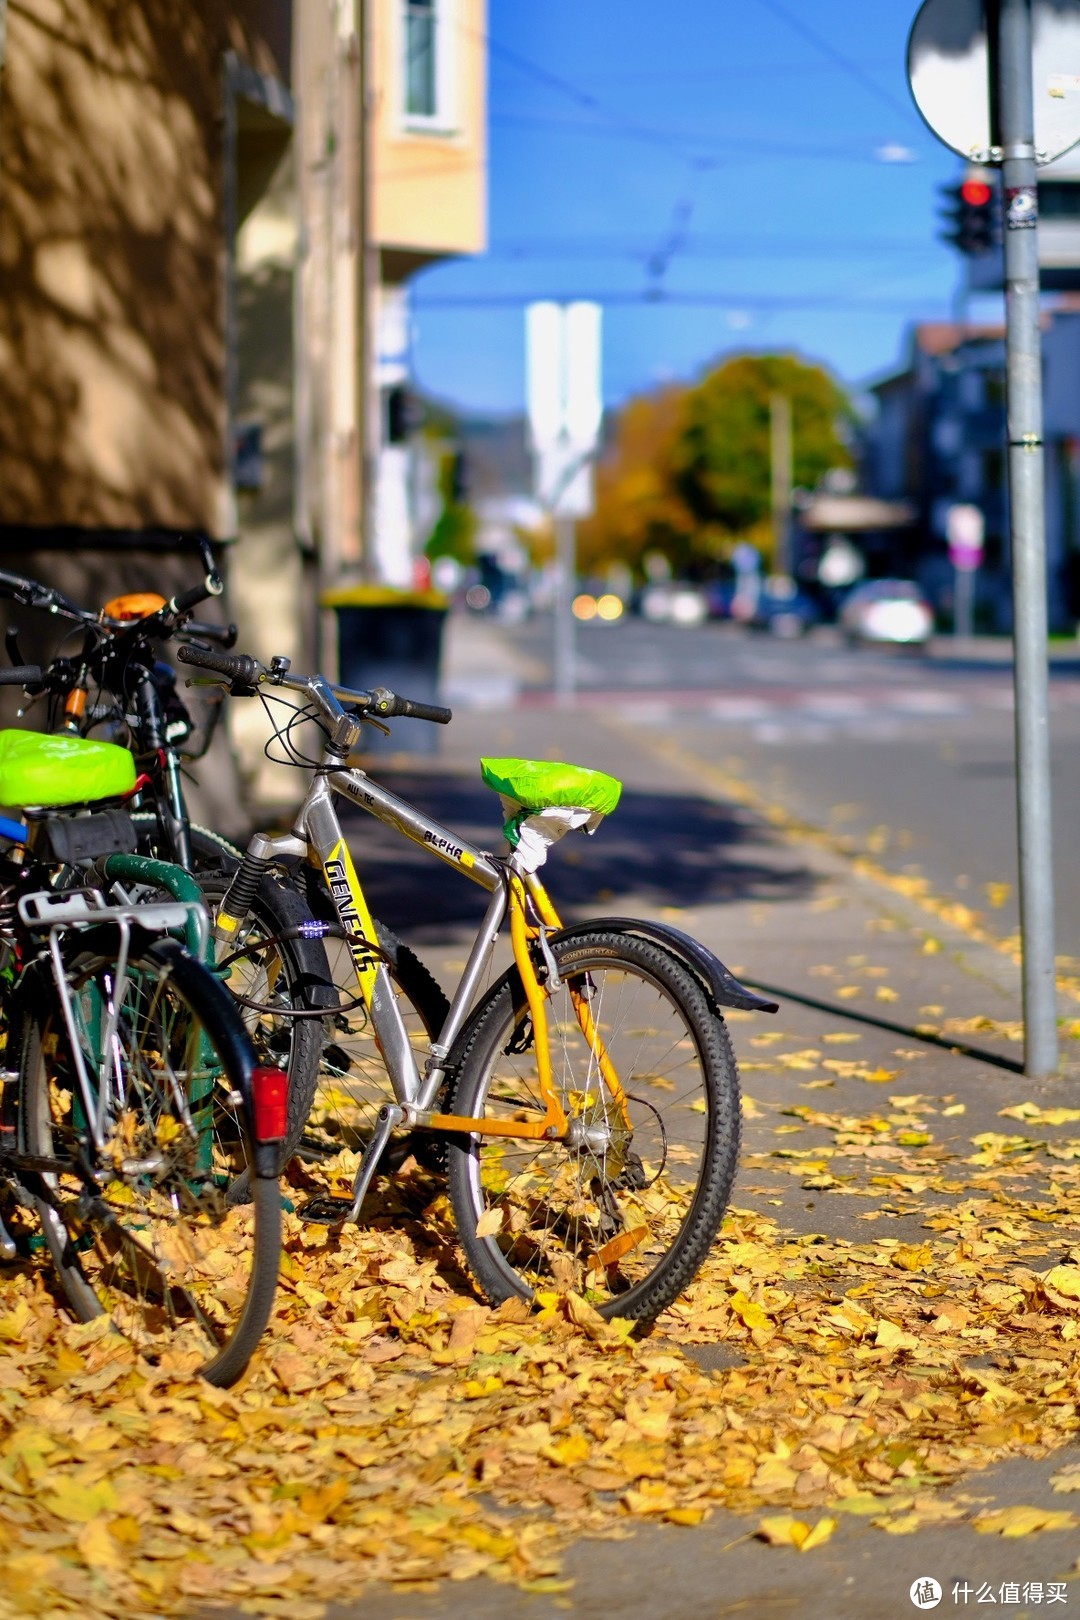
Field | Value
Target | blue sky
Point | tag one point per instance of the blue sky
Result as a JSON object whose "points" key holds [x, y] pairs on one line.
{"points": [[729, 153]]}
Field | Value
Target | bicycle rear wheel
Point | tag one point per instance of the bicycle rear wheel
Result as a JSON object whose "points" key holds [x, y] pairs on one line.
{"points": [[337, 1078], [139, 1223], [625, 1209]]}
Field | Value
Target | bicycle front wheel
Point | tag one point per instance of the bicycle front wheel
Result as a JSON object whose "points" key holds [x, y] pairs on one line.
{"points": [[625, 1208], [131, 1098]]}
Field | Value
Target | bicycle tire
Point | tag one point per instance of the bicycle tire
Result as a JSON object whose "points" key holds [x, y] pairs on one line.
{"points": [[146, 1232], [614, 1217], [294, 975]]}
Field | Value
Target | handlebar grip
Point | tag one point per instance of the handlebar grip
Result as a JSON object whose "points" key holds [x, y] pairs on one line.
{"points": [[425, 711], [387, 705], [212, 585], [239, 667], [22, 675], [224, 634]]}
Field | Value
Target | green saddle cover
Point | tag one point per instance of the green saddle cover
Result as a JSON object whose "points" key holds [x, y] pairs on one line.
{"points": [[542, 784], [46, 771]]}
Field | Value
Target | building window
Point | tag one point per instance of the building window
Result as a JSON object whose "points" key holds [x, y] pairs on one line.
{"points": [[426, 45]]}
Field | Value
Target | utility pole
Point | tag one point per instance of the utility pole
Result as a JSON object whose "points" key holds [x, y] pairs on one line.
{"points": [[565, 648], [1009, 39], [368, 277], [780, 460]]}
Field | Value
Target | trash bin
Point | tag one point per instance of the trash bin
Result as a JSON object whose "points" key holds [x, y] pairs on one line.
{"points": [[393, 638]]}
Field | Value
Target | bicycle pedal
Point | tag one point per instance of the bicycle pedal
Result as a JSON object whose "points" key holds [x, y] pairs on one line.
{"points": [[326, 1210]]}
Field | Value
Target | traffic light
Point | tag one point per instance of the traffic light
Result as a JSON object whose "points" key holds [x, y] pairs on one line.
{"points": [[972, 213]]}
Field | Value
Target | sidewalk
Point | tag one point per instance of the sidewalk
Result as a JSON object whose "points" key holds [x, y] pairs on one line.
{"points": [[875, 1145]]}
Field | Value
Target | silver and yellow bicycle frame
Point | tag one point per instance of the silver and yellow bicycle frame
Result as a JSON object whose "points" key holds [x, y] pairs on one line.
{"points": [[317, 835]]}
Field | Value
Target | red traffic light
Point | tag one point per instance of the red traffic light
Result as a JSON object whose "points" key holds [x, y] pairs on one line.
{"points": [[976, 193]]}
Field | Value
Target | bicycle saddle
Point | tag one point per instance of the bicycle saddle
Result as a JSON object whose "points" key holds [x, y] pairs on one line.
{"points": [[531, 787], [49, 771]]}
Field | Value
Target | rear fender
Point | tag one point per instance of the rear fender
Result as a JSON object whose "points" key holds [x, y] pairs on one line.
{"points": [[722, 988]]}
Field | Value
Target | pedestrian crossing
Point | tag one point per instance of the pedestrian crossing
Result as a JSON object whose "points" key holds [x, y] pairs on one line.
{"points": [[790, 714]]}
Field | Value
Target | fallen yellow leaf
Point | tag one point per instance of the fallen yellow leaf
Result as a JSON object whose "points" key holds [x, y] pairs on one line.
{"points": [[1013, 1522], [784, 1530]]}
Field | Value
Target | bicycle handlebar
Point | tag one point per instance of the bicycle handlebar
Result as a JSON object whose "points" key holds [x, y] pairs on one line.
{"points": [[22, 675], [224, 634], [32, 593], [212, 585], [387, 705], [244, 673], [236, 667]]}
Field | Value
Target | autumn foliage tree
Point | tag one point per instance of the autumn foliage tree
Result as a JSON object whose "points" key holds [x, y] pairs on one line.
{"points": [[688, 469], [639, 507]]}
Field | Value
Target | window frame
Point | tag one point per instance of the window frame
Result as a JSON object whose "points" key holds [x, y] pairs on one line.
{"points": [[444, 119]]}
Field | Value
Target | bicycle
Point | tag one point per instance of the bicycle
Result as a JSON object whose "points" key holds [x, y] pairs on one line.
{"points": [[116, 685], [588, 1102], [132, 1102]]}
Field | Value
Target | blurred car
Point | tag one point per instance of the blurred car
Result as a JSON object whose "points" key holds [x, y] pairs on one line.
{"points": [[718, 594], [674, 602], [887, 611], [783, 609]]}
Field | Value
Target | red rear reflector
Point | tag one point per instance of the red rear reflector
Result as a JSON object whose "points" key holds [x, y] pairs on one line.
{"points": [[270, 1096]]}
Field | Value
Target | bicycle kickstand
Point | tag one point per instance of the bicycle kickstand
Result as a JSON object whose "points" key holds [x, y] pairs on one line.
{"points": [[331, 1211]]}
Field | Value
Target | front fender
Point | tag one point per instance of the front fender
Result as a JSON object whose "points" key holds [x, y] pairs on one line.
{"points": [[721, 986]]}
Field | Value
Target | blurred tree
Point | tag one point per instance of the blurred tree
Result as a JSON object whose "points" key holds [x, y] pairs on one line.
{"points": [[687, 469], [455, 529], [638, 506], [722, 457]]}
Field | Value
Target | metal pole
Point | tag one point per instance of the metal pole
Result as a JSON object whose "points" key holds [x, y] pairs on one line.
{"points": [[780, 456], [963, 596], [565, 639], [368, 278], [1009, 39]]}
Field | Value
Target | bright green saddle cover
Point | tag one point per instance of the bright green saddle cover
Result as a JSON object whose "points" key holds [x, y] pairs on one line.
{"points": [[45, 771], [543, 784]]}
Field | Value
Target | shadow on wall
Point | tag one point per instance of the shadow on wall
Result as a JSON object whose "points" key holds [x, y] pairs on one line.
{"points": [[111, 254]]}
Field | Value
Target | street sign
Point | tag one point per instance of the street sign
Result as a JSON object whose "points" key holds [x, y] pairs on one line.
{"points": [[965, 528], [564, 400], [948, 70]]}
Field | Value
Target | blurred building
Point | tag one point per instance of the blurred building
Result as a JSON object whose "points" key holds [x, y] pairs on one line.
{"points": [[187, 300], [938, 438], [133, 139], [429, 203]]}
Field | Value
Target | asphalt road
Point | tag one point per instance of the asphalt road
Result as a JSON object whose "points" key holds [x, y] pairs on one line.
{"points": [[908, 755]]}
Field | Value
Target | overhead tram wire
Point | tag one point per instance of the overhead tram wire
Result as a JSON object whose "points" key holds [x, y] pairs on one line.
{"points": [[711, 247], [751, 147], [793, 21], [679, 143], [702, 300]]}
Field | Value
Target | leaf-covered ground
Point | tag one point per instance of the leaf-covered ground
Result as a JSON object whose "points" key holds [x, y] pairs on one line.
{"points": [[394, 1429]]}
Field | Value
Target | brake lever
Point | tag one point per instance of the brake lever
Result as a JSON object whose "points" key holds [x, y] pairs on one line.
{"points": [[36, 697]]}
